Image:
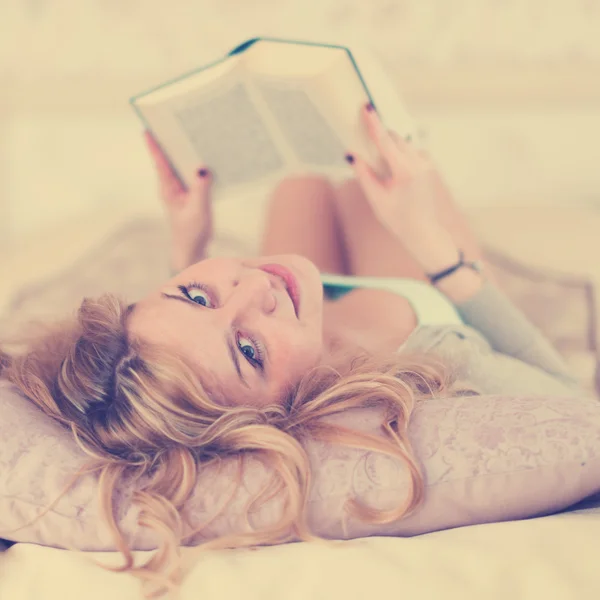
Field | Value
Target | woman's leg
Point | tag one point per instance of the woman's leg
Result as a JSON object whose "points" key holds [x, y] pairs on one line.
{"points": [[302, 219], [372, 250]]}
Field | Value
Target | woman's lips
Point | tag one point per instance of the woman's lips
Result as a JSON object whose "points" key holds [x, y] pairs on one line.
{"points": [[290, 282]]}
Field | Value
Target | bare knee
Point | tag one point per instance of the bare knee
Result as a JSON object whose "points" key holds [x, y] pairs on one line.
{"points": [[349, 188], [371, 249], [354, 212], [311, 185], [301, 219]]}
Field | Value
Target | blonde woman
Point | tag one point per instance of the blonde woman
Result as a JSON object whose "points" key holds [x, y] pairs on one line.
{"points": [[367, 294]]}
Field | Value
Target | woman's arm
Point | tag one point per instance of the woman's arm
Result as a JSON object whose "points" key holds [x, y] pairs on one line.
{"points": [[404, 203], [484, 307], [510, 332], [188, 211]]}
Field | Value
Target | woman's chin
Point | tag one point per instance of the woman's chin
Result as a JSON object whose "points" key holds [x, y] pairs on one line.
{"points": [[308, 277], [307, 265]]}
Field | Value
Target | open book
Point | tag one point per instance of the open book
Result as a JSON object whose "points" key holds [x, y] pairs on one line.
{"points": [[270, 108]]}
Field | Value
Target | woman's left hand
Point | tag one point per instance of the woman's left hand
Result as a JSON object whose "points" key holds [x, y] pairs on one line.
{"points": [[189, 211], [405, 198], [405, 201]]}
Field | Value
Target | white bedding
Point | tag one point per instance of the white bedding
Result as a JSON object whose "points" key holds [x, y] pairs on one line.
{"points": [[549, 558]]}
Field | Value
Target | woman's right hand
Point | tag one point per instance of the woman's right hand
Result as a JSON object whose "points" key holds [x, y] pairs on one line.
{"points": [[189, 211]]}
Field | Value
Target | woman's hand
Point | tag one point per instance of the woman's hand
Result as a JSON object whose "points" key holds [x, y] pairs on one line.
{"points": [[405, 200], [189, 212]]}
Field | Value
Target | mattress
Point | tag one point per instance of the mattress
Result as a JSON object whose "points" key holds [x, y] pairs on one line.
{"points": [[554, 558]]}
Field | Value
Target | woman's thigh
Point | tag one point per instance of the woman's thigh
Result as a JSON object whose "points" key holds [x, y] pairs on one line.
{"points": [[302, 219], [371, 250]]}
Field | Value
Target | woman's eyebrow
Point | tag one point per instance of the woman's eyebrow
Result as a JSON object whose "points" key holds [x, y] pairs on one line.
{"points": [[228, 339]]}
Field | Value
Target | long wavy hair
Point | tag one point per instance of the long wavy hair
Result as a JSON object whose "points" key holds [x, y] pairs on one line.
{"points": [[135, 408]]}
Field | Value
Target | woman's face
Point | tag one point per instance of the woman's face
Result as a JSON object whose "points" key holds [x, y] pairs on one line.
{"points": [[252, 326]]}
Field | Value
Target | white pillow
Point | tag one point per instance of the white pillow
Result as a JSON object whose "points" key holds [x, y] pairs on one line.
{"points": [[484, 458]]}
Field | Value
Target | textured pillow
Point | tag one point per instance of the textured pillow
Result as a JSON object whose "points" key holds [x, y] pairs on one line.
{"points": [[484, 458]]}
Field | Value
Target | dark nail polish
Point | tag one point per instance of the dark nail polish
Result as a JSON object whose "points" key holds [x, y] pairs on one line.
{"points": [[370, 107], [202, 172], [349, 158]]}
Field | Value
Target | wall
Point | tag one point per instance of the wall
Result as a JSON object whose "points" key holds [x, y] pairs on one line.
{"points": [[507, 91]]}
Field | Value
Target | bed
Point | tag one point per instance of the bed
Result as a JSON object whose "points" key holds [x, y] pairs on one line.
{"points": [[549, 557], [554, 558]]}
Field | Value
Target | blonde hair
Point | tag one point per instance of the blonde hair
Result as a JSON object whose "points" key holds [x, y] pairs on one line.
{"points": [[138, 410]]}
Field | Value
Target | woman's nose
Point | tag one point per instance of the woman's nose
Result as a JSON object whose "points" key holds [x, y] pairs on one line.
{"points": [[254, 292]]}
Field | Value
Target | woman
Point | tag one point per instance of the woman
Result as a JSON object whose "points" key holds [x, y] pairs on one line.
{"points": [[246, 355]]}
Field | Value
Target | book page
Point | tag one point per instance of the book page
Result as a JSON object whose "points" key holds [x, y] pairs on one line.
{"points": [[290, 59], [341, 94], [386, 93], [227, 131], [316, 96], [222, 69], [302, 123]]}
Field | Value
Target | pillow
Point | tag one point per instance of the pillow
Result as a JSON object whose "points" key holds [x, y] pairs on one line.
{"points": [[484, 458]]}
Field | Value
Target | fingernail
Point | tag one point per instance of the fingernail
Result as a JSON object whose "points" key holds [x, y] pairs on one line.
{"points": [[370, 107], [349, 158], [203, 172]]}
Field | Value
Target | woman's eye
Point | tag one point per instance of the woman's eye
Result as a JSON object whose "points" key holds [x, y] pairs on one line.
{"points": [[197, 295], [246, 347], [250, 349]]}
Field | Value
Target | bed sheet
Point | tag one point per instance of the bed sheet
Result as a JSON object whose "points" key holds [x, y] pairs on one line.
{"points": [[554, 558]]}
